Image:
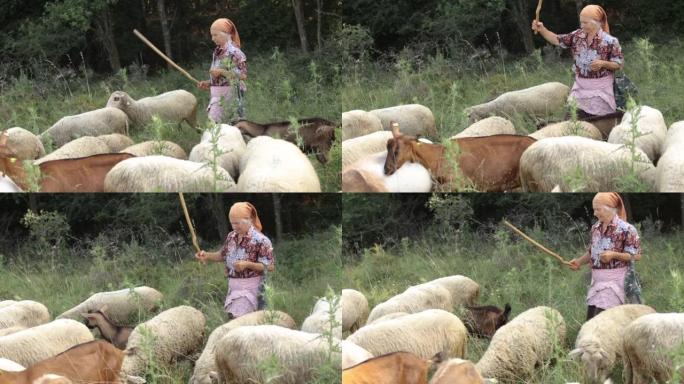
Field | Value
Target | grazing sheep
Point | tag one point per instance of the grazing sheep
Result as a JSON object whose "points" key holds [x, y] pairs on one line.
{"points": [[415, 119], [157, 148], [173, 106], [368, 175], [7, 303], [25, 313], [357, 148], [352, 354], [81, 147], [389, 316], [600, 165], [165, 174], [240, 353], [359, 123], [568, 128], [540, 100], [354, 310], [424, 334], [319, 319], [205, 366], [457, 371], [274, 165], [177, 333], [651, 131], [11, 330], [231, 144], [10, 366], [599, 342], [493, 125], [523, 345], [94, 123], [670, 169], [26, 145], [116, 141], [123, 306], [32, 345], [648, 343]]}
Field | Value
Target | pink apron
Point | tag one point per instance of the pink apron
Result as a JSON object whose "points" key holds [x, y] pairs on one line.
{"points": [[242, 296], [219, 95], [607, 288]]}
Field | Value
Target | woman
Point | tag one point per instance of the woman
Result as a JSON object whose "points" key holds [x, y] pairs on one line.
{"points": [[597, 56], [614, 244], [228, 66], [248, 255]]}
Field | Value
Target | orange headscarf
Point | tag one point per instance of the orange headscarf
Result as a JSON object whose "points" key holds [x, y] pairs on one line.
{"points": [[595, 12], [245, 210], [612, 199], [227, 26]]}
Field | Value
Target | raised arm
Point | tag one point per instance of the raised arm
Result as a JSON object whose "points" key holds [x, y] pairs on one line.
{"points": [[546, 34]]}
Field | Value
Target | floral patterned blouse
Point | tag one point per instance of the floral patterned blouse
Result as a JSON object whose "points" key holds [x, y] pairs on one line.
{"points": [[238, 64], [602, 47], [619, 236], [254, 247]]}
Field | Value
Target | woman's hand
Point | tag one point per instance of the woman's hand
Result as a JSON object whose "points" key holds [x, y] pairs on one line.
{"points": [[537, 26], [216, 72], [607, 256], [596, 65], [201, 256], [241, 265], [203, 84], [574, 265]]}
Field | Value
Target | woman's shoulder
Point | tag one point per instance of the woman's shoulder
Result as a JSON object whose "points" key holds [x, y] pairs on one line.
{"points": [[625, 226], [260, 237], [609, 39]]}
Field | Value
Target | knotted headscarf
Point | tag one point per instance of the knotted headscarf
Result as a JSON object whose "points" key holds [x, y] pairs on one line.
{"points": [[227, 26], [595, 12], [245, 210], [612, 199]]}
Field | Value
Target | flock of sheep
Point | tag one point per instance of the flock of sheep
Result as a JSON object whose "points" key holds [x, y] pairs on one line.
{"points": [[601, 152]]}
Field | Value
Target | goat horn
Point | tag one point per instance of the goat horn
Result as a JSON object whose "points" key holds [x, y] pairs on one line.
{"points": [[394, 126]]}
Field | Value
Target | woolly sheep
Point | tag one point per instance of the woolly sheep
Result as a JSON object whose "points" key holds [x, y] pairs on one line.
{"points": [[116, 141], [172, 106], [599, 343], [10, 366], [24, 144], [178, 332], [230, 142], [414, 119], [242, 350], [359, 123], [7, 303], [352, 354], [274, 165], [7, 185], [206, 364], [670, 169], [157, 148], [651, 130], [93, 123], [122, 305], [319, 319], [521, 345], [368, 175], [540, 100], [165, 174], [649, 342], [389, 316], [567, 128], [552, 161], [359, 147], [25, 313], [424, 333], [354, 310], [493, 125], [81, 147], [32, 345], [11, 330]]}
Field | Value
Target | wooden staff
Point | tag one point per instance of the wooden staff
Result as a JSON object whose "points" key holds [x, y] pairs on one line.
{"points": [[187, 219], [519, 232], [539, 5], [163, 56]]}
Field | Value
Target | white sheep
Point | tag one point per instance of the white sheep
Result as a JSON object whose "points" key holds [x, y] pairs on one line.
{"points": [[275, 165], [7, 303], [670, 169], [93, 123], [11, 330], [173, 106], [540, 100], [81, 147], [25, 313], [354, 310], [414, 119], [173, 334], [165, 174], [241, 353], [599, 342], [522, 345], [7, 185], [649, 343], [493, 125], [32, 345], [568, 128], [359, 123], [357, 148], [424, 333], [319, 320], [157, 148], [229, 142], [650, 129], [24, 144], [368, 175], [205, 366], [580, 164], [10, 366], [352, 354], [116, 141], [123, 305]]}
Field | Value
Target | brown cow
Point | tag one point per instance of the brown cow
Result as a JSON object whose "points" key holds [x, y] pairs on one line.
{"points": [[491, 163], [457, 371], [392, 368], [485, 320], [317, 134]]}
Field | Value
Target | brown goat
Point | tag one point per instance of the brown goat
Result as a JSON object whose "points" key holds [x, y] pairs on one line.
{"points": [[111, 332], [485, 320], [317, 134], [392, 368], [491, 163], [457, 371]]}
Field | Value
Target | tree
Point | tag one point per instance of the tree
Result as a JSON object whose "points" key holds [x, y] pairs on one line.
{"points": [[520, 15], [298, 7], [166, 29]]}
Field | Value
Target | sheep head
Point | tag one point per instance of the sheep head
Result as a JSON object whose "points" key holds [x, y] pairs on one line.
{"points": [[119, 99], [595, 361]]}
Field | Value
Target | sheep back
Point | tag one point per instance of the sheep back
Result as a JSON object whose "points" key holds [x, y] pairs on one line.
{"points": [[651, 129], [24, 144], [93, 123], [81, 147], [25, 313], [157, 148], [670, 169], [568, 128], [354, 310], [116, 141], [359, 123], [173, 106], [230, 142], [357, 148], [413, 119], [493, 125], [319, 319], [540, 100], [352, 354]]}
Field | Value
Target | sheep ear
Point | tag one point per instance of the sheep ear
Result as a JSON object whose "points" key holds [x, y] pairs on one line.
{"points": [[394, 126], [438, 357], [575, 353]]}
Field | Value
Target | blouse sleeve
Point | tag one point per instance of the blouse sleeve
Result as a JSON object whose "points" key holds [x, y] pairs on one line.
{"points": [[266, 256], [616, 55], [566, 40], [632, 243]]}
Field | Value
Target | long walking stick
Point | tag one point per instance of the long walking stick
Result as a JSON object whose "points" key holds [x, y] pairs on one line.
{"points": [[539, 5], [163, 56], [543, 248], [187, 219]]}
